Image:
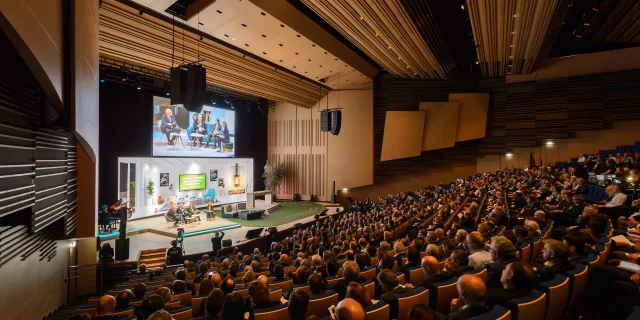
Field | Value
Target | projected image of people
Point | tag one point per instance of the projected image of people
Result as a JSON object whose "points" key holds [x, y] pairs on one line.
{"points": [[180, 133]]}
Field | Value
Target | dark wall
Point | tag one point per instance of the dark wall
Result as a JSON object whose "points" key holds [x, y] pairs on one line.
{"points": [[522, 114], [125, 131]]}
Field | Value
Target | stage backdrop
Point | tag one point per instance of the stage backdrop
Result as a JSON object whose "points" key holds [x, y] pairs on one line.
{"points": [[166, 173], [126, 130]]}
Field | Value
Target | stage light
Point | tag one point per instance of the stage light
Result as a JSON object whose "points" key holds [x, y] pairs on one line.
{"points": [[139, 88], [549, 143], [509, 154], [462, 6], [345, 189], [101, 80]]}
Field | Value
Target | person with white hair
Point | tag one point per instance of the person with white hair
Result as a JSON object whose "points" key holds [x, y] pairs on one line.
{"points": [[532, 227]]}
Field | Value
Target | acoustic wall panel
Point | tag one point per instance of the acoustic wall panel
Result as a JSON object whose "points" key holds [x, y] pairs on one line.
{"points": [[472, 119], [440, 125], [403, 132]]}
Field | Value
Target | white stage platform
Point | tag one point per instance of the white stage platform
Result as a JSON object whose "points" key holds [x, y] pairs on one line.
{"points": [[144, 212]]}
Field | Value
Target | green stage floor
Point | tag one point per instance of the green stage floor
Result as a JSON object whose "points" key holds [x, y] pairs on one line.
{"points": [[288, 213]]}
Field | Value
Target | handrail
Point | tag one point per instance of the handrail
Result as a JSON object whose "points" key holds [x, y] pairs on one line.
{"points": [[449, 222]]}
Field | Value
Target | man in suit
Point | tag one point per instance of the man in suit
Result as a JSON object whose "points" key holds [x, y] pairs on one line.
{"points": [[457, 263], [349, 309], [502, 218], [503, 252], [432, 272], [169, 125], [180, 214], [351, 272], [216, 241], [517, 280], [556, 255], [467, 222], [399, 248], [215, 131], [413, 261], [470, 301], [390, 286]]}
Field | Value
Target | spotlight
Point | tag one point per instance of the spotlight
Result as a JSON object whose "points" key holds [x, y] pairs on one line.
{"points": [[462, 6], [477, 62], [549, 143], [213, 99], [139, 88], [509, 154]]}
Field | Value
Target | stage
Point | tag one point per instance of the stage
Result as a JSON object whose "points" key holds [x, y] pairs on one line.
{"points": [[155, 232], [144, 212]]}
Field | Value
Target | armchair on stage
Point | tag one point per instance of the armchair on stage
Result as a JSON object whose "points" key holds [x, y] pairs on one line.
{"points": [[228, 212], [210, 196]]}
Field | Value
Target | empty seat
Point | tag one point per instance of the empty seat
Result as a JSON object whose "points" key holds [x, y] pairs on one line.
{"points": [[441, 295], [529, 307], [557, 291], [416, 275], [319, 305], [377, 311], [279, 312], [497, 313], [578, 282]]}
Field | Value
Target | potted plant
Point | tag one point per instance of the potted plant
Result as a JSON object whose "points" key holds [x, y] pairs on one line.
{"points": [[132, 194], [273, 176], [150, 190]]}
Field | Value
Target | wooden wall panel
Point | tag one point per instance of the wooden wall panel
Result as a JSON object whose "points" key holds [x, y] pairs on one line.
{"points": [[472, 118], [441, 124], [403, 131]]}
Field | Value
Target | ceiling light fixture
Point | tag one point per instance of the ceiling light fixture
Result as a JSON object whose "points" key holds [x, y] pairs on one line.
{"points": [[462, 6], [515, 15], [234, 39]]}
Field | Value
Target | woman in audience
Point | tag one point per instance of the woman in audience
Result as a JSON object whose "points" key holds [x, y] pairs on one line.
{"points": [[357, 292], [248, 278], [233, 307], [206, 286]]}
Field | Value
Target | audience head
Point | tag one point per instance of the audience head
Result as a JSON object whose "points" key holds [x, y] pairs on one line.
{"points": [[278, 272], [233, 307], [475, 241], [259, 292], [333, 267], [248, 278], [430, 265], [316, 283], [520, 276], [205, 287], [152, 304], [123, 298], [142, 268], [160, 315], [471, 289], [555, 251], [461, 235], [216, 280], [106, 304], [214, 302], [387, 280], [165, 294], [351, 271], [298, 304], [387, 262], [459, 258], [349, 309], [227, 285], [575, 241], [303, 274], [139, 290], [357, 292], [178, 287], [502, 249]]}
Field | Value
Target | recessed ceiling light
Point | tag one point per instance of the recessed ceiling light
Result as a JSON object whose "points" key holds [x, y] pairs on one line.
{"points": [[313, 45], [281, 61], [462, 6], [218, 11], [282, 25], [234, 39], [515, 15], [244, 25], [262, 13], [361, 18], [281, 45], [264, 36]]}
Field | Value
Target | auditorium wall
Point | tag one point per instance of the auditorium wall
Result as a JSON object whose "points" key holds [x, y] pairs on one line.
{"points": [[314, 159]]}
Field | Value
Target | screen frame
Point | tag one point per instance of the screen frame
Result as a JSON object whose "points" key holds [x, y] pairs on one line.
{"points": [[191, 174]]}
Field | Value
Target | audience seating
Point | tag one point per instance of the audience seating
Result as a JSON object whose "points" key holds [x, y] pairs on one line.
{"points": [[635, 314], [319, 305], [377, 311], [88, 309], [480, 272], [525, 253], [185, 298], [279, 312], [369, 274], [497, 313], [370, 288], [530, 307], [285, 284], [407, 300], [557, 291], [401, 279], [578, 281], [441, 295], [195, 303], [275, 294], [416, 275], [183, 313]]}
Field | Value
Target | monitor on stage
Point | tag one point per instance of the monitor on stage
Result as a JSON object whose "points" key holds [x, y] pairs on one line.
{"points": [[181, 133]]}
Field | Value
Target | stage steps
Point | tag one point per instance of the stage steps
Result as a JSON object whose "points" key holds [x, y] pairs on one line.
{"points": [[152, 257], [273, 209]]}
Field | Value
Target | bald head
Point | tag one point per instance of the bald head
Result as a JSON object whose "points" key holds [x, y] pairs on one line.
{"points": [[349, 309], [430, 265], [263, 279], [216, 279], [106, 304], [471, 289]]}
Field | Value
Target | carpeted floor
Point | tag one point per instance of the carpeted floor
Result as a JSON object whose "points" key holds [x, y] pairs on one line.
{"points": [[290, 212]]}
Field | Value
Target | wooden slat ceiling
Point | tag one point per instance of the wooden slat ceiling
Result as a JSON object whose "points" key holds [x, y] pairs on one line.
{"points": [[384, 31], [512, 36], [245, 25], [611, 22], [147, 41]]}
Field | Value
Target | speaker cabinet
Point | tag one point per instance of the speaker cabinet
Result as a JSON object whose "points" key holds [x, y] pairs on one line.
{"points": [[336, 121], [196, 87], [178, 88], [325, 120]]}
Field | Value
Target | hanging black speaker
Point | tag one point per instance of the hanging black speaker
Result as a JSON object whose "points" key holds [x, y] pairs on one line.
{"points": [[178, 85], [325, 120], [336, 121], [196, 87]]}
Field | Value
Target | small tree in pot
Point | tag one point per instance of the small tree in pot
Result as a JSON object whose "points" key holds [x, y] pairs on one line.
{"points": [[273, 176], [150, 190]]}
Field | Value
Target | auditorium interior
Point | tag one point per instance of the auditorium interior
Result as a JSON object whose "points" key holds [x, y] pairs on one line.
{"points": [[320, 159]]}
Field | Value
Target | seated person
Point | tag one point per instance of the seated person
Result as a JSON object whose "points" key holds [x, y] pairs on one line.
{"points": [[357, 292], [479, 257], [199, 127], [180, 213], [432, 272], [171, 214], [223, 136], [349, 309], [215, 131], [298, 305], [139, 290], [576, 241], [316, 284], [518, 279], [106, 253], [210, 214], [193, 212], [390, 286], [258, 298], [122, 300], [105, 307], [503, 252], [213, 304], [471, 297], [555, 255]]}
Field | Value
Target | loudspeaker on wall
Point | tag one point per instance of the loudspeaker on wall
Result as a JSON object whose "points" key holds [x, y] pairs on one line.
{"points": [[336, 121], [325, 120]]}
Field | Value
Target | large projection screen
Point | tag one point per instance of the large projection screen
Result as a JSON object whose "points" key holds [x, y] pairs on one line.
{"points": [[190, 131], [403, 132], [440, 125], [472, 120]]}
